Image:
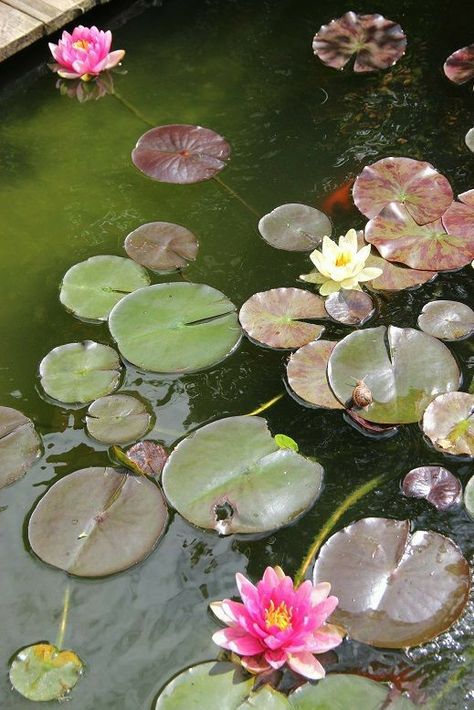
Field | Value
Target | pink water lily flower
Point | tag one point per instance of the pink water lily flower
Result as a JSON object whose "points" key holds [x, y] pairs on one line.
{"points": [[85, 53], [277, 624]]}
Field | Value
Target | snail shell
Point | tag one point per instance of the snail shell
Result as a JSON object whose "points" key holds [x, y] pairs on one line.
{"points": [[362, 396]]}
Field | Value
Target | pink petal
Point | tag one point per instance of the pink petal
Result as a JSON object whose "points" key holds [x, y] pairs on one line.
{"points": [[218, 611], [237, 641], [320, 592], [248, 592], [53, 48], [114, 58], [255, 664], [306, 665], [326, 638], [68, 74], [270, 578], [276, 659]]}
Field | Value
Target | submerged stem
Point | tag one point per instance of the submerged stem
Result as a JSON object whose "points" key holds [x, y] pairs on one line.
{"points": [[266, 405], [132, 109], [63, 623], [235, 195]]}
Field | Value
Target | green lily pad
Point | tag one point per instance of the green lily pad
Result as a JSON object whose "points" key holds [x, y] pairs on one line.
{"points": [[92, 288], [117, 419], [448, 423], [295, 227], [20, 445], [42, 672], [403, 368], [395, 589], [447, 320], [175, 327], [306, 372], [231, 476], [341, 691], [349, 307], [97, 521], [469, 497], [285, 442], [162, 246]]}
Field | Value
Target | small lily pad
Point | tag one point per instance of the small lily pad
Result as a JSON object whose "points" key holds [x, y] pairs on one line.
{"points": [[447, 320], [306, 372], [295, 227], [117, 419], [42, 672], [469, 139], [469, 497], [350, 307], [20, 445], [435, 483], [80, 372], [459, 217], [286, 442], [149, 457], [459, 66], [277, 318], [162, 246], [449, 423]]}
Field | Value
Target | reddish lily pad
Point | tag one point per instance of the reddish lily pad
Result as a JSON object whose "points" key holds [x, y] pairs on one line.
{"points": [[469, 139], [162, 246], [180, 153], [277, 318], [459, 66], [43, 672], [425, 193], [369, 429], [306, 372], [395, 589], [447, 320], [376, 42], [20, 445], [349, 307], [435, 483], [459, 217], [295, 227], [149, 457], [449, 423], [117, 419]]}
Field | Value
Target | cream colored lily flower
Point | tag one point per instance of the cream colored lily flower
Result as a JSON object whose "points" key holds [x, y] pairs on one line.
{"points": [[341, 266]]}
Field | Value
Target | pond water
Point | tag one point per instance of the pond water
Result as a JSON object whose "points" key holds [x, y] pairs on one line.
{"points": [[298, 130]]}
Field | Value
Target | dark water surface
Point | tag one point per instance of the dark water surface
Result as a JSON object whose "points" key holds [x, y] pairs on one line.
{"points": [[69, 191]]}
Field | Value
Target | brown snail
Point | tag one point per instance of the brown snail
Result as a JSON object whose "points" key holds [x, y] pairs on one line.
{"points": [[361, 395]]}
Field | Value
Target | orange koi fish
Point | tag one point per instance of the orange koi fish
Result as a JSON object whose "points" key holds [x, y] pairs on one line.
{"points": [[339, 200]]}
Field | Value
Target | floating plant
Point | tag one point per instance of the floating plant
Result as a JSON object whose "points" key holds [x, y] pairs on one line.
{"points": [[459, 66], [43, 672], [435, 483], [349, 307], [306, 372], [340, 691], [469, 139], [162, 246], [447, 320], [396, 277], [459, 217], [448, 422], [117, 419], [149, 457], [294, 227], [469, 497], [20, 445]]}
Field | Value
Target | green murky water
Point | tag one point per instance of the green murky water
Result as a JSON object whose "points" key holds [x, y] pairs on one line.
{"points": [[69, 191]]}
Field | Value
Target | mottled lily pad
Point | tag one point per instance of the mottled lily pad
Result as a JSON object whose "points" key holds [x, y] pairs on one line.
{"points": [[469, 497], [395, 589], [42, 672], [424, 192], [295, 227], [369, 429], [149, 457], [459, 217], [376, 42], [306, 372], [447, 320], [162, 246], [92, 288], [277, 318], [396, 277], [97, 521], [349, 307], [232, 477], [80, 372], [435, 483], [117, 419], [459, 66], [403, 368], [449, 423], [469, 139], [20, 445], [180, 153], [175, 327], [341, 691]]}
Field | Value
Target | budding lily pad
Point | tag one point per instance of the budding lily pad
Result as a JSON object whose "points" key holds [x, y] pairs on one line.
{"points": [[277, 318], [424, 192], [435, 483], [295, 227], [449, 423], [97, 521], [447, 320], [42, 672], [162, 246], [232, 477], [175, 327], [80, 372], [92, 288], [469, 497], [395, 589], [459, 217], [117, 419], [20, 445], [149, 457], [376, 42], [459, 66], [306, 372], [349, 307], [403, 368], [180, 153]]}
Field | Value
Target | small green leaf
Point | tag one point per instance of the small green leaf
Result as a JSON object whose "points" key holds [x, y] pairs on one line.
{"points": [[42, 672], [286, 442]]}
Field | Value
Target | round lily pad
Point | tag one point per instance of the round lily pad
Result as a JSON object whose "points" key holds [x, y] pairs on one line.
{"points": [[97, 521], [180, 153], [376, 43], [117, 419], [403, 368], [459, 66], [349, 307], [149, 457], [92, 288], [232, 477], [424, 192], [20, 445], [435, 483], [447, 320], [395, 588], [459, 217], [277, 318], [175, 327], [306, 372], [469, 139], [162, 246], [295, 227], [42, 672], [469, 497], [449, 423], [80, 372]]}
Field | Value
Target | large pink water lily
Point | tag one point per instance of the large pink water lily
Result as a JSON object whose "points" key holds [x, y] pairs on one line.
{"points": [[277, 623], [85, 53]]}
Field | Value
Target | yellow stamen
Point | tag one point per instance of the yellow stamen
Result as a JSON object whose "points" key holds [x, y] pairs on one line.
{"points": [[81, 44], [343, 258], [278, 616]]}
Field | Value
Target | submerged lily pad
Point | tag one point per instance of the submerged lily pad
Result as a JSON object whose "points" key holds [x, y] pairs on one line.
{"points": [[80, 372], [395, 589], [149, 457], [20, 445], [403, 368], [449, 423], [459, 66], [424, 192], [295, 227], [42, 672], [117, 419], [231, 476], [162, 246], [459, 217], [92, 288], [349, 307], [435, 483], [175, 327], [180, 153], [306, 372], [447, 320], [469, 497], [97, 521], [376, 42]]}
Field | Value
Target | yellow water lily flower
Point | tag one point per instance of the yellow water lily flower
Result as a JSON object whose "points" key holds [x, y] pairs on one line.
{"points": [[341, 266]]}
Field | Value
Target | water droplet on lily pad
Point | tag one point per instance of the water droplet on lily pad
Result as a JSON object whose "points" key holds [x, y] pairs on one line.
{"points": [[435, 483], [295, 227], [162, 246], [42, 672], [20, 445], [447, 320], [117, 419], [449, 423]]}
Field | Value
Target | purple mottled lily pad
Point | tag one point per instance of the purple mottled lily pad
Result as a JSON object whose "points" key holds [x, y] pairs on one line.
{"points": [[306, 372], [459, 66], [162, 246], [425, 193], [376, 42], [295, 227], [180, 153], [449, 423], [459, 217], [349, 307], [435, 483], [370, 429], [447, 320], [149, 457], [277, 318]]}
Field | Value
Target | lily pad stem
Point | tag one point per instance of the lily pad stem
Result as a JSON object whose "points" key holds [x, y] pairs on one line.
{"points": [[266, 405], [235, 195], [63, 623]]}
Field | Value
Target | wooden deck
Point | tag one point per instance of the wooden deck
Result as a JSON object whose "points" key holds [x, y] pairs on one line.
{"points": [[24, 21]]}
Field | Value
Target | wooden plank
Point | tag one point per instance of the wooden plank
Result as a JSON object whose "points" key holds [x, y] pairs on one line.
{"points": [[17, 30], [52, 13]]}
